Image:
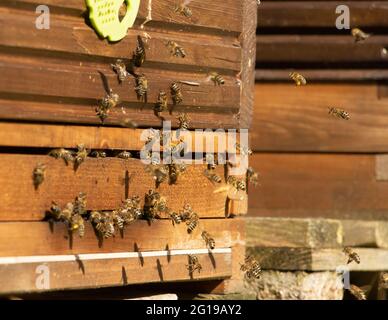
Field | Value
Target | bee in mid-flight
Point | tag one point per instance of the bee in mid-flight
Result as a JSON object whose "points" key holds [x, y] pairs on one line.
{"points": [[176, 93], [359, 35], [120, 68], [299, 79], [357, 292], [39, 174], [161, 105], [194, 264], [217, 79], [352, 255], [251, 268], [184, 121], [175, 49], [341, 114], [139, 55], [141, 87], [208, 240], [184, 9]]}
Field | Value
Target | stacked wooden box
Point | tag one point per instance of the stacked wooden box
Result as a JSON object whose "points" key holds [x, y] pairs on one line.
{"points": [[50, 86]]}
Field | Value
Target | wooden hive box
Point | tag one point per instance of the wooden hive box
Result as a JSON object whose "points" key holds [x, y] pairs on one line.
{"points": [[52, 80]]}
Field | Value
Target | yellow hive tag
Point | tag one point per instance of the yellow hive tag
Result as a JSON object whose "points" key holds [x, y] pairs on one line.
{"points": [[104, 16]]}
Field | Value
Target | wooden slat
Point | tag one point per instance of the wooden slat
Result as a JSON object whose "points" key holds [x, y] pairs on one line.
{"points": [[286, 232], [359, 233], [22, 277], [296, 14], [103, 180], [219, 14], [318, 185], [37, 238], [319, 259], [289, 118]]}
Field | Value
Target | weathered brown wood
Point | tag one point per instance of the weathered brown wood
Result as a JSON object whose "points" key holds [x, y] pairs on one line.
{"points": [[290, 118], [37, 238], [103, 180], [287, 232], [319, 259], [22, 277], [311, 14], [359, 233], [335, 186]]}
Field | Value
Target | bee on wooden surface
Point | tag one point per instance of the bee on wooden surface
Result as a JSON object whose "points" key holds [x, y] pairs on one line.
{"points": [[98, 154], [192, 223], [217, 79], [175, 218], [80, 204], [251, 268], [208, 240], [80, 155], [211, 162], [186, 212], [184, 9], [213, 177], [139, 55], [154, 205], [253, 176], [175, 170], [64, 154], [352, 255], [130, 210], [76, 223], [162, 104], [124, 155], [39, 174], [141, 87], [193, 264], [357, 292], [238, 184], [243, 150], [183, 121], [55, 211], [176, 93], [341, 114], [299, 79], [110, 101], [118, 220], [103, 223], [359, 35], [120, 68], [158, 172], [175, 49]]}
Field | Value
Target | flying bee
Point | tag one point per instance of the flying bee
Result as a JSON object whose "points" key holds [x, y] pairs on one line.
{"points": [[162, 104], [139, 55], [251, 268], [141, 87], [158, 172], [64, 154], [176, 93], [217, 79], [38, 175], [244, 150], [298, 78], [175, 49], [359, 35], [174, 172], [193, 264], [184, 121], [192, 223], [120, 68], [357, 292], [208, 240], [253, 176], [80, 155], [184, 9], [239, 185], [175, 218], [124, 155], [341, 114], [352, 255], [213, 177], [98, 154]]}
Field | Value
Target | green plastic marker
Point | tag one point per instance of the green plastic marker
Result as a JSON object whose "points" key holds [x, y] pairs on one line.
{"points": [[104, 16]]}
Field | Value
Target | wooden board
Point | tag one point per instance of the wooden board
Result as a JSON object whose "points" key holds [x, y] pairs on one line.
{"points": [[359, 233], [290, 118], [318, 185], [319, 259], [287, 232]]}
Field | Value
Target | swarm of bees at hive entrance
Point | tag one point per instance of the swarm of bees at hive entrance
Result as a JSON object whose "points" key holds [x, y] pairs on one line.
{"points": [[194, 264], [251, 268], [339, 113], [359, 35], [39, 175], [352, 255], [299, 79]]}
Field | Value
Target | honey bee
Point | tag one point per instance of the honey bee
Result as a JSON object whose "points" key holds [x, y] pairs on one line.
{"points": [[76, 223], [80, 204], [130, 210], [251, 268], [186, 212], [38, 175], [239, 185], [103, 223], [217, 79], [159, 172], [244, 150], [124, 155], [98, 154], [154, 205], [120, 68], [359, 35], [111, 100], [118, 220], [208, 240], [175, 218], [357, 292], [141, 87], [161, 105], [176, 93], [175, 49], [211, 162], [64, 154], [213, 177], [184, 10], [298, 78], [139, 55], [81, 155], [341, 114], [193, 264], [192, 222], [352, 255], [174, 171], [253, 176], [184, 121], [384, 278]]}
